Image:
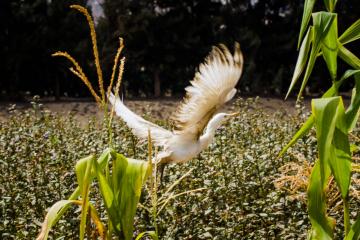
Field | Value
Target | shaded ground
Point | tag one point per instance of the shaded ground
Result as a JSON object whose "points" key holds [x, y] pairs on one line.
{"points": [[156, 108]]}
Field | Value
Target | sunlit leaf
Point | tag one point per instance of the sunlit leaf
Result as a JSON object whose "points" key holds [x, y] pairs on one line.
{"points": [[330, 5], [354, 233], [325, 113], [340, 156], [53, 215], [352, 112], [322, 24], [329, 48], [308, 7], [348, 57], [302, 58], [299, 134], [351, 34], [130, 176], [152, 234], [108, 198], [322, 225], [83, 173], [331, 92]]}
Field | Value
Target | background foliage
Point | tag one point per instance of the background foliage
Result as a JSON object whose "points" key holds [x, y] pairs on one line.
{"points": [[38, 150], [165, 41]]}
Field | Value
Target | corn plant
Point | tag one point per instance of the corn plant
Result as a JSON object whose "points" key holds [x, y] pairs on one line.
{"points": [[120, 179], [333, 122]]}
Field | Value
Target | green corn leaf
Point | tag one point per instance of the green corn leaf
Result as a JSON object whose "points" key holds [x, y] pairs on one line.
{"points": [[329, 48], [348, 57], [330, 5], [83, 173], [108, 198], [119, 167], [322, 24], [352, 112], [354, 233], [351, 34], [322, 225], [130, 177], [105, 157], [331, 92], [302, 58], [325, 112], [308, 7], [53, 215], [299, 134], [152, 234], [340, 156]]}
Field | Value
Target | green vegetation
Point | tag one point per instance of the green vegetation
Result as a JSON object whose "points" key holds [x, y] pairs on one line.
{"points": [[332, 121], [238, 188], [39, 149]]}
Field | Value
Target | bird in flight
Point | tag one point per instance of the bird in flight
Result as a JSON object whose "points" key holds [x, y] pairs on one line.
{"points": [[199, 115]]}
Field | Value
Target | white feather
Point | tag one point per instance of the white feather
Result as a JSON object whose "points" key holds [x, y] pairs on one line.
{"points": [[138, 125]]}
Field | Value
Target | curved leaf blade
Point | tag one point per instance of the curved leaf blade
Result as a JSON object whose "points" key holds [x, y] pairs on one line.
{"points": [[329, 48], [322, 225], [308, 8], [325, 115], [351, 34], [302, 59], [53, 215]]}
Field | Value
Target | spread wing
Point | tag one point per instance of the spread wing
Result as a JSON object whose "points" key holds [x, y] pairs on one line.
{"points": [[213, 85], [138, 125]]}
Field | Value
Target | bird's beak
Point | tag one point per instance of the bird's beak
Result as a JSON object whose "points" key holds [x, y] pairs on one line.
{"points": [[231, 115], [234, 114]]}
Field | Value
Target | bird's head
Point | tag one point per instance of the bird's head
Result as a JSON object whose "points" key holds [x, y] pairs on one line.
{"points": [[219, 119]]}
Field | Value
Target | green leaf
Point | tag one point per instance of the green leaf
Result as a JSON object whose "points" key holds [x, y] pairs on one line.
{"points": [[83, 173], [53, 215], [332, 91], [351, 34], [354, 233], [340, 156], [121, 191], [325, 115], [299, 134], [322, 24], [131, 177], [352, 112], [329, 48], [322, 225], [330, 5], [308, 7], [108, 198], [302, 58], [104, 157], [348, 57], [152, 234]]}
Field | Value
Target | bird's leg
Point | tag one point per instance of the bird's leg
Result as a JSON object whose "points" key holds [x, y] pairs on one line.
{"points": [[161, 169]]}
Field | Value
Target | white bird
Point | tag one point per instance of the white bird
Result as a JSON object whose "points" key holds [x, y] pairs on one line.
{"points": [[198, 116]]}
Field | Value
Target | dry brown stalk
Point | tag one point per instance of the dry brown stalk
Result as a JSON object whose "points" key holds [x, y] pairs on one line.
{"points": [[116, 61], [78, 72], [295, 177]]}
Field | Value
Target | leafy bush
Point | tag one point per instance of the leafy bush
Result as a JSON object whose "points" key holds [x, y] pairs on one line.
{"points": [[38, 150]]}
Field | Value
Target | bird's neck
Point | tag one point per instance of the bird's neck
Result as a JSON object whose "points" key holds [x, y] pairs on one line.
{"points": [[207, 138]]}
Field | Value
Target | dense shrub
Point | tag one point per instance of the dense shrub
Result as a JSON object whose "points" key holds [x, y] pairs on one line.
{"points": [[38, 150]]}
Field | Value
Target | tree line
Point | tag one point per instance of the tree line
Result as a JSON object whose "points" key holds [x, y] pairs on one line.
{"points": [[165, 40]]}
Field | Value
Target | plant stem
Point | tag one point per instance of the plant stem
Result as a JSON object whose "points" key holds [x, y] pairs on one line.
{"points": [[346, 215]]}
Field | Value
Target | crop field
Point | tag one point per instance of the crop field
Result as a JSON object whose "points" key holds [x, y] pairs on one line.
{"points": [[235, 168], [247, 191]]}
